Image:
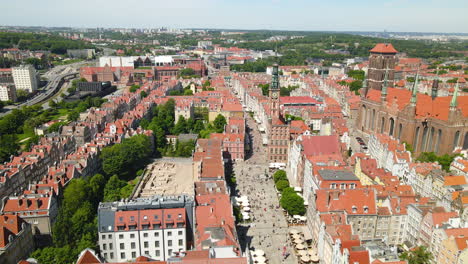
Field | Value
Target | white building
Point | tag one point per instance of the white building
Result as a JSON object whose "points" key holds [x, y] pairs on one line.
{"points": [[25, 78], [7, 92], [156, 227]]}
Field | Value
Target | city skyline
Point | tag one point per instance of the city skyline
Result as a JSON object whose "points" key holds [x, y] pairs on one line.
{"points": [[363, 15]]}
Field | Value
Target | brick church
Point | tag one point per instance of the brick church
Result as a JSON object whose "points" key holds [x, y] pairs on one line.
{"points": [[429, 123]]}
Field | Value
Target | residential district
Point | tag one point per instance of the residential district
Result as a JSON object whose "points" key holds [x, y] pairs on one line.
{"points": [[289, 165]]}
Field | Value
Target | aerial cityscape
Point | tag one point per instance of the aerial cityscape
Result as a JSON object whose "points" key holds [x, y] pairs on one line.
{"points": [[261, 132]]}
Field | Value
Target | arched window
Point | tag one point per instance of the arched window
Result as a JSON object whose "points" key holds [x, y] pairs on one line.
{"points": [[416, 140], [400, 130], [373, 120], [363, 116], [439, 136], [424, 139], [465, 141], [392, 124], [430, 146], [382, 127], [456, 139]]}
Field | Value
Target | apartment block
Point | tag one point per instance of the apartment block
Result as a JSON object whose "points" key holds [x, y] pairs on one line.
{"points": [[156, 227], [25, 78]]}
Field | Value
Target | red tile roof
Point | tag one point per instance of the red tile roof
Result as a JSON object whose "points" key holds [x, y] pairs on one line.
{"points": [[384, 48]]}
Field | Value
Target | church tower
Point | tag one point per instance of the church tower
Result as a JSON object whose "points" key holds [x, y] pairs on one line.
{"points": [[274, 94], [382, 57]]}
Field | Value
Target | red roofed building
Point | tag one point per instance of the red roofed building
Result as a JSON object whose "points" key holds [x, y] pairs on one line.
{"points": [[38, 210], [429, 123], [16, 240]]}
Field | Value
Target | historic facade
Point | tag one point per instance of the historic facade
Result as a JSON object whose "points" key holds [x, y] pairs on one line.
{"points": [[429, 123], [278, 141], [382, 58]]}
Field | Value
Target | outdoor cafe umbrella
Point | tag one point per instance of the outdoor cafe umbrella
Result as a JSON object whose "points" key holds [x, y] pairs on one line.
{"points": [[246, 208], [314, 258], [293, 231], [260, 259], [297, 236], [305, 259], [259, 252], [298, 241], [300, 246], [311, 252], [302, 252]]}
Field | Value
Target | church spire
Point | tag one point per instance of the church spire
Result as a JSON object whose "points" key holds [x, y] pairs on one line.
{"points": [[383, 95], [415, 89], [454, 102]]}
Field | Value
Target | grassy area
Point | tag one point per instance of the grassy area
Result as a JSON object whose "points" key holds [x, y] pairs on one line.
{"points": [[62, 114]]}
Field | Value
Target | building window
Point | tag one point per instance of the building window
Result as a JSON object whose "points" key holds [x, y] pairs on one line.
{"points": [[112, 255], [120, 236], [169, 243], [169, 233], [110, 246], [156, 234], [169, 252], [122, 255], [147, 253], [133, 245], [354, 208], [145, 234], [156, 244], [103, 236], [181, 242], [180, 233], [109, 236], [133, 254], [104, 247], [122, 246], [156, 253], [105, 255], [146, 244], [132, 235], [168, 216]]}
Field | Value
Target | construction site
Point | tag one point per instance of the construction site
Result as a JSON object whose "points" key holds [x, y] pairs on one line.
{"points": [[166, 177]]}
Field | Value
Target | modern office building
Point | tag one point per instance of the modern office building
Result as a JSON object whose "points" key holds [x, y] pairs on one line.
{"points": [[25, 78], [7, 92]]}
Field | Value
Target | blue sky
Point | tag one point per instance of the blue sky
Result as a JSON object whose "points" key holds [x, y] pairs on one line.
{"points": [[340, 15]]}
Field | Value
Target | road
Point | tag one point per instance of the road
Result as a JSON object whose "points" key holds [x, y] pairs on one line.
{"points": [[268, 230], [54, 76]]}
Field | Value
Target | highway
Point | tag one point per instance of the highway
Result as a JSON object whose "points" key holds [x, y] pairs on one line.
{"points": [[56, 77]]}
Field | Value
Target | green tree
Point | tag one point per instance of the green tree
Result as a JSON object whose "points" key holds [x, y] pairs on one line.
{"points": [[421, 255], [281, 185], [199, 126], [219, 123], [180, 127], [8, 146], [112, 189], [73, 116], [279, 175], [187, 72], [292, 203], [143, 94], [188, 92]]}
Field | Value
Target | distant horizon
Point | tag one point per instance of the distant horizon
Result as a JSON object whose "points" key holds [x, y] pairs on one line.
{"points": [[424, 16], [239, 29]]}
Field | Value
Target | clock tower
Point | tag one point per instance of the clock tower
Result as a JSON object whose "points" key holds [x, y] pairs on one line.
{"points": [[274, 93]]}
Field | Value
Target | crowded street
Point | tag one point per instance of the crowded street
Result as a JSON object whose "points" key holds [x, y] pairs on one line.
{"points": [[268, 229]]}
